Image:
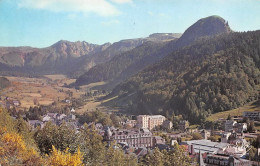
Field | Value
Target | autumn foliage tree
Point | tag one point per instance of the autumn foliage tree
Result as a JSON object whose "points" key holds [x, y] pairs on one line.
{"points": [[175, 157], [14, 150], [65, 158]]}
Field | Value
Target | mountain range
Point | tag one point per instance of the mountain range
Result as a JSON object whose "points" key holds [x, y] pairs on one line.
{"points": [[131, 62], [207, 69], [70, 58]]}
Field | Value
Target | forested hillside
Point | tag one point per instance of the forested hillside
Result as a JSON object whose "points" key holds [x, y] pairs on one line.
{"points": [[209, 76], [124, 65], [129, 63]]}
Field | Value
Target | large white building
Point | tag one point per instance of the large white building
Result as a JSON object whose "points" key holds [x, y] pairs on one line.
{"points": [[150, 121], [206, 146]]}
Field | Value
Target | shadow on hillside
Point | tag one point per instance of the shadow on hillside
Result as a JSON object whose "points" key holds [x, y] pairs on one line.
{"points": [[256, 104]]}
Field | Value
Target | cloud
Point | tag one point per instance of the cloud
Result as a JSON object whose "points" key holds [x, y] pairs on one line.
{"points": [[122, 1], [100, 7]]}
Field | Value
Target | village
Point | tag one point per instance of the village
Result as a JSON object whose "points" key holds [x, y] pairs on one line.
{"points": [[227, 140], [143, 133]]}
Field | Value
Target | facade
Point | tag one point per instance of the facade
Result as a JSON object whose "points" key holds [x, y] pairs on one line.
{"points": [[150, 121], [240, 127], [254, 115], [131, 123], [205, 134], [167, 124], [229, 124], [134, 138], [212, 160], [225, 136]]}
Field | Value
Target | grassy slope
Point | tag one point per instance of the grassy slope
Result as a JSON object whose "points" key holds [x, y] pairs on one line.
{"points": [[254, 106]]}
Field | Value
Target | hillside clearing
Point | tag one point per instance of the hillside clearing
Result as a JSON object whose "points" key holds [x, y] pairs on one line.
{"points": [[235, 112]]}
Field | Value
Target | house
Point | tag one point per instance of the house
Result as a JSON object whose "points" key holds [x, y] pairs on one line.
{"points": [[52, 115], [36, 123], [131, 123], [67, 101], [71, 117], [167, 124], [173, 142], [158, 140], [229, 124], [72, 110], [240, 127], [225, 136], [205, 134], [60, 116], [252, 115], [46, 118], [16, 103], [98, 126], [183, 125]]}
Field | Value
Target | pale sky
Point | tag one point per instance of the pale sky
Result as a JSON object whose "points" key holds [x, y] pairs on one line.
{"points": [[41, 23]]}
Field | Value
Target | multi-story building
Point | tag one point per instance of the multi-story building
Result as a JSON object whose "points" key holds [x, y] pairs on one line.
{"points": [[214, 159], [150, 121], [134, 138], [206, 146], [253, 115]]}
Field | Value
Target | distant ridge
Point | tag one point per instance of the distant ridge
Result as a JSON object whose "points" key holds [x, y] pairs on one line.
{"points": [[129, 63], [65, 57]]}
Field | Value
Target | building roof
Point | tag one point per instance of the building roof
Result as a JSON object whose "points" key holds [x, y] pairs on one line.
{"points": [[206, 146]]}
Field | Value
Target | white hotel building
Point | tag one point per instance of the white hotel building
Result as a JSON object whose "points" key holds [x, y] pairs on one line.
{"points": [[150, 121]]}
